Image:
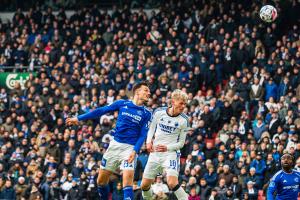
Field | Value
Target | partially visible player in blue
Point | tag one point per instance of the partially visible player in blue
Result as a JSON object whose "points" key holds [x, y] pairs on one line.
{"points": [[284, 185], [130, 133]]}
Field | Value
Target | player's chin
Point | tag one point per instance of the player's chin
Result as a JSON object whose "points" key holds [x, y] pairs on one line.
{"points": [[145, 100]]}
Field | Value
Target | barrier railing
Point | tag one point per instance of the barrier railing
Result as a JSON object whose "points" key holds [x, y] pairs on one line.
{"points": [[19, 68]]}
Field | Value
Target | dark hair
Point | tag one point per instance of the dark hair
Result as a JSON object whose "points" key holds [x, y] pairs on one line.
{"points": [[139, 85], [293, 158]]}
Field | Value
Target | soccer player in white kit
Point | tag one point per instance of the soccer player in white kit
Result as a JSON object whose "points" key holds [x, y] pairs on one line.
{"points": [[166, 136]]}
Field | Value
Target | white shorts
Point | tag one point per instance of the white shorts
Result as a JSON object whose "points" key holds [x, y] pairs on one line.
{"points": [[116, 157], [160, 161]]}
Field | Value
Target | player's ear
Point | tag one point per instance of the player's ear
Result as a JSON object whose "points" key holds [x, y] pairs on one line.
{"points": [[172, 102]]}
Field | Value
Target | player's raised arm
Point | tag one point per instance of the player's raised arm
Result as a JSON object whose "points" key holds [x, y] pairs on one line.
{"points": [[95, 113], [100, 111]]}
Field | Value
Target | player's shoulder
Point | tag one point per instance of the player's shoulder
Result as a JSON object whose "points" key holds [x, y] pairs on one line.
{"points": [[148, 111], [120, 101], [184, 116], [297, 173], [278, 175], [125, 101]]}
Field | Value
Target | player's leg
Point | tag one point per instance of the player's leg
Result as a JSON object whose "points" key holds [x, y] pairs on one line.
{"points": [[176, 188], [146, 188], [102, 181], [172, 167], [153, 167], [128, 171], [127, 184], [109, 164]]}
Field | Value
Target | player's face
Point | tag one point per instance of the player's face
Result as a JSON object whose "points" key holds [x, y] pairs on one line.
{"points": [[287, 161], [144, 93], [178, 105]]}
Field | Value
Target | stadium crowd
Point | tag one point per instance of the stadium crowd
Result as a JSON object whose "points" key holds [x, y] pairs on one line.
{"points": [[241, 75]]}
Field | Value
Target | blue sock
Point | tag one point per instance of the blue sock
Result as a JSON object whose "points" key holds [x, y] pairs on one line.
{"points": [[128, 193], [103, 191]]}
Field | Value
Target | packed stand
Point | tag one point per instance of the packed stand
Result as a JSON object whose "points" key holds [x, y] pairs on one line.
{"points": [[241, 75]]}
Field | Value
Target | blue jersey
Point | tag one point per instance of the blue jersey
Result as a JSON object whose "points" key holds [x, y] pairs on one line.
{"points": [[285, 185], [132, 123]]}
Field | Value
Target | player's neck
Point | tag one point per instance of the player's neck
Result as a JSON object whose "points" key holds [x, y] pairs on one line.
{"points": [[171, 111], [137, 101], [288, 171]]}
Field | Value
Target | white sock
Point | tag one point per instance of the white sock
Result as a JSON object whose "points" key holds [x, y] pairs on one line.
{"points": [[181, 194], [147, 195]]}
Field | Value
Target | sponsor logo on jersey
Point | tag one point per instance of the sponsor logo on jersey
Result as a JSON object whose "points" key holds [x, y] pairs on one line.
{"points": [[291, 187], [167, 129], [135, 117]]}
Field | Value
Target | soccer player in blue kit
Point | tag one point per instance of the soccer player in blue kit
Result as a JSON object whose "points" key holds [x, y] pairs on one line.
{"points": [[284, 185], [130, 133]]}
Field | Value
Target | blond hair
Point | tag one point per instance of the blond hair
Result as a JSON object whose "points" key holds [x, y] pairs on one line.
{"points": [[179, 94]]}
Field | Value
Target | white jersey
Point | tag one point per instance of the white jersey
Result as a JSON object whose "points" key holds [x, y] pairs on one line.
{"points": [[168, 130]]}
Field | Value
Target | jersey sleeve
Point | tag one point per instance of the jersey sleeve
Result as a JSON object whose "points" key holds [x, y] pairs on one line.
{"points": [[143, 134], [272, 188], [182, 136], [152, 128], [102, 110]]}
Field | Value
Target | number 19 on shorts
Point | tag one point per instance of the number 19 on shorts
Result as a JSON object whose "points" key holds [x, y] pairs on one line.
{"points": [[173, 164]]}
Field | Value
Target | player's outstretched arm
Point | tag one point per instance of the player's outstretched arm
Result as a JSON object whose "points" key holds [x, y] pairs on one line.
{"points": [[101, 111]]}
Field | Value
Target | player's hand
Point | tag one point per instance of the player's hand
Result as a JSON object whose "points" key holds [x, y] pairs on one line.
{"points": [[150, 147], [72, 121], [161, 148], [131, 157]]}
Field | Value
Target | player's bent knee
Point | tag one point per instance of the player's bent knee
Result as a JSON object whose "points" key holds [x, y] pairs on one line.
{"points": [[145, 186], [103, 177], [174, 187], [172, 182]]}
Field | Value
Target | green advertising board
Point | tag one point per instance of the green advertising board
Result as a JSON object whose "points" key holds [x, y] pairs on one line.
{"points": [[8, 80]]}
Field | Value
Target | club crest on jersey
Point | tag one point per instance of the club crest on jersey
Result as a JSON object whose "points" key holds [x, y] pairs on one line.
{"points": [[176, 124], [296, 179], [161, 119], [139, 112]]}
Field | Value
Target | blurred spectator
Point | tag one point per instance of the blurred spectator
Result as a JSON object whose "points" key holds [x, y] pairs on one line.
{"points": [[159, 187]]}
